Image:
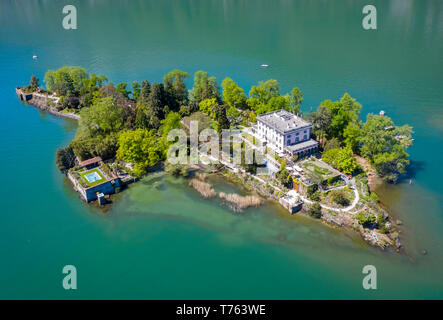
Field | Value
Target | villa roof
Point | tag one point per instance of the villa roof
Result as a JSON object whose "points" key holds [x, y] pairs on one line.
{"points": [[283, 120], [90, 161], [302, 145]]}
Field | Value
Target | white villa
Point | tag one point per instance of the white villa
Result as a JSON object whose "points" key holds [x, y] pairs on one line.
{"points": [[285, 133]]}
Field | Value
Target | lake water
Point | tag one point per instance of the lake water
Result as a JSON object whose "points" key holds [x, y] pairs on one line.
{"points": [[160, 239]]}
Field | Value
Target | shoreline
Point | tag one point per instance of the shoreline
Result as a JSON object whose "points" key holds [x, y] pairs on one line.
{"points": [[331, 216], [43, 103]]}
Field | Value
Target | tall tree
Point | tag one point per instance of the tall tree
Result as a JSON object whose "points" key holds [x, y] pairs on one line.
{"points": [[103, 117], [296, 100], [121, 88], [266, 97], [144, 92], [384, 144], [343, 112], [321, 120], [205, 87], [140, 147], [233, 95], [136, 88], [34, 83], [150, 110], [221, 118], [175, 88]]}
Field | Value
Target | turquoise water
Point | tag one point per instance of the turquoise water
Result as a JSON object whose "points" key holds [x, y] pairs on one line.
{"points": [[160, 239]]}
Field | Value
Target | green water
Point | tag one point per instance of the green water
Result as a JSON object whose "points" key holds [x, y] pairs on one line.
{"points": [[160, 239]]}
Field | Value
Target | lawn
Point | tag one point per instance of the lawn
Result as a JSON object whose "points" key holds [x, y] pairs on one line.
{"points": [[317, 171], [101, 177]]}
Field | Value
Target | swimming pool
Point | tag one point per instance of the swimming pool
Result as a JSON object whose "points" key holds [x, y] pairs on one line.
{"points": [[92, 177]]}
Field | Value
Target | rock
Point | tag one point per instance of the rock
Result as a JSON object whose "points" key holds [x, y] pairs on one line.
{"points": [[423, 252]]}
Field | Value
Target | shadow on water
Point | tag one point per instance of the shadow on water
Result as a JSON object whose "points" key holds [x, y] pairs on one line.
{"points": [[411, 171]]}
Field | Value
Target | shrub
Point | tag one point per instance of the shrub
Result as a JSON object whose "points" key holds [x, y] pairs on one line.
{"points": [[374, 197], [315, 210], [65, 159], [365, 219], [339, 197], [176, 170]]}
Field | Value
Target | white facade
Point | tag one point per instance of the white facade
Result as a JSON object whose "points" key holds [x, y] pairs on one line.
{"points": [[285, 132]]}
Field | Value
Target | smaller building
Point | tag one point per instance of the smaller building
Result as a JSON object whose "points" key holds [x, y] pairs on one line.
{"points": [[91, 163], [291, 201], [94, 179]]}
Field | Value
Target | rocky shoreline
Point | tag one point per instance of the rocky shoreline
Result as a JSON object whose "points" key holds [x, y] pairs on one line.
{"points": [[43, 102]]}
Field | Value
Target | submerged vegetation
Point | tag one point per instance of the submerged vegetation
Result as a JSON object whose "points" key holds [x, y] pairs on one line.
{"points": [[241, 202]]}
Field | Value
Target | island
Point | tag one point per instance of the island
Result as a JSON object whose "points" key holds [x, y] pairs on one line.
{"points": [[324, 164]]}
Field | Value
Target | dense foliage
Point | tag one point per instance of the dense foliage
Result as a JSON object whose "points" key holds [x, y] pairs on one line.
{"points": [[341, 133], [314, 210], [341, 159], [148, 111]]}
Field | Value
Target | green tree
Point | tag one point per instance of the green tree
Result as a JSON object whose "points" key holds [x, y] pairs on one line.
{"points": [[65, 159], [314, 210], [66, 80], [140, 147], [33, 83], [208, 107], [384, 144], [352, 134], [321, 121], [296, 99], [175, 89], [121, 88], [343, 112], [221, 118], [172, 121], [205, 87], [136, 88], [150, 110], [332, 144], [89, 90], [144, 92], [104, 146], [339, 197], [103, 117], [260, 95], [341, 159], [366, 219], [233, 95]]}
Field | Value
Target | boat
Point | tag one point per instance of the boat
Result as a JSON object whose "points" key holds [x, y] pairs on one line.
{"points": [[34, 57], [264, 65]]}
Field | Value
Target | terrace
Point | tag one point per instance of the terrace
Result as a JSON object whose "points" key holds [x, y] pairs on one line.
{"points": [[319, 172], [93, 177]]}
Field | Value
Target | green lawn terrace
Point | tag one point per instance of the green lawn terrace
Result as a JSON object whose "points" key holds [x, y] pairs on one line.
{"points": [[318, 171], [93, 177], [312, 173]]}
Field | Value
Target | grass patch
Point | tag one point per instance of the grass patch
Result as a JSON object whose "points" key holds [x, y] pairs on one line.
{"points": [[84, 175]]}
